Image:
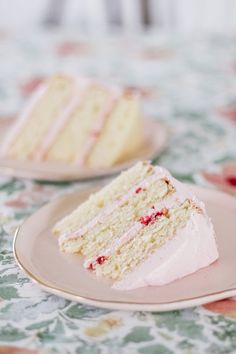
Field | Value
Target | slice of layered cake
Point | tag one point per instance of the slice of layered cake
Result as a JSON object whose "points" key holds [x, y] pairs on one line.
{"points": [[78, 121], [144, 228]]}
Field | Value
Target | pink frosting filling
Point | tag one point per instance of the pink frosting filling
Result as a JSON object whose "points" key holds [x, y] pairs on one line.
{"points": [[136, 227], [96, 131], [80, 91], [159, 173]]}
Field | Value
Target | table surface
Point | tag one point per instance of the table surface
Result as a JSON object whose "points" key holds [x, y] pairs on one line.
{"points": [[190, 85]]}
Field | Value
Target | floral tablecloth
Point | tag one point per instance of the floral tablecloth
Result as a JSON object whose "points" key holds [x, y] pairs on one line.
{"points": [[190, 85]]}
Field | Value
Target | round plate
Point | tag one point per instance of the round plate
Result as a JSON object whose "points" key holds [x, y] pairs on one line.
{"points": [[155, 141], [37, 253]]}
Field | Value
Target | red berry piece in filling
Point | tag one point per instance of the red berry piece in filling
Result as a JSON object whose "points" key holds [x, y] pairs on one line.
{"points": [[145, 220], [101, 259], [91, 266], [138, 190], [157, 214]]}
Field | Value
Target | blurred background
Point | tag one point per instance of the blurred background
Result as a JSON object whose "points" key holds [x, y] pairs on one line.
{"points": [[99, 16], [179, 54]]}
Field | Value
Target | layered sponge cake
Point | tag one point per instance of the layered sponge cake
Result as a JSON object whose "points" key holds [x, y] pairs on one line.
{"points": [[78, 121], [144, 228]]}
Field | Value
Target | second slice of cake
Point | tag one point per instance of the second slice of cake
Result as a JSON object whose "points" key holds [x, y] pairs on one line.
{"points": [[79, 121]]}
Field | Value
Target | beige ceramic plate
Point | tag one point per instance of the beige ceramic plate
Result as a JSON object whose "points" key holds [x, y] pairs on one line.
{"points": [[155, 141], [36, 251]]}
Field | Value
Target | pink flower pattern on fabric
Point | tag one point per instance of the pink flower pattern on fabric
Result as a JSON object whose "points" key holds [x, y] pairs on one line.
{"points": [[225, 179]]}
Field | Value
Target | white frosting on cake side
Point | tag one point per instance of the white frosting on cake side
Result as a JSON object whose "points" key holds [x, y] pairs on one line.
{"points": [[192, 248]]}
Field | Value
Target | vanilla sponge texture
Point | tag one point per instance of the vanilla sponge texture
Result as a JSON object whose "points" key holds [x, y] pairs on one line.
{"points": [[144, 228], [78, 121]]}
